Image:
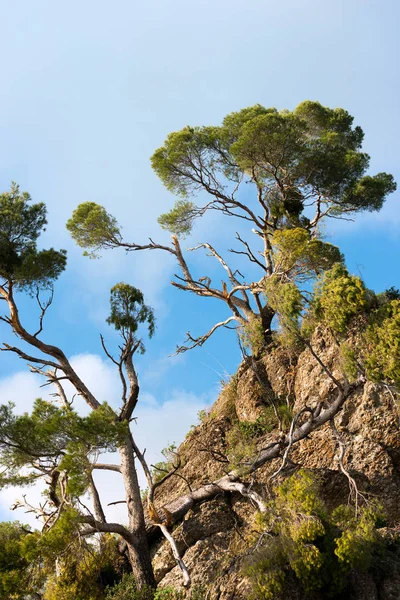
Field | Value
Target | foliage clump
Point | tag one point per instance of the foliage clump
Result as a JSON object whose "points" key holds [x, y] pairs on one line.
{"points": [[84, 571], [60, 437], [382, 337], [17, 576], [92, 227], [338, 298], [349, 361], [252, 335], [319, 547], [129, 311], [285, 298], [313, 152], [179, 220], [126, 589], [300, 256], [21, 262], [242, 437]]}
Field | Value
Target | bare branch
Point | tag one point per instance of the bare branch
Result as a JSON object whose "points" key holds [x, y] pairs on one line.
{"points": [[319, 361], [169, 473], [53, 351], [107, 467], [107, 353], [320, 415], [43, 307], [108, 527], [250, 255], [354, 492], [198, 342], [177, 556], [42, 361], [303, 411]]}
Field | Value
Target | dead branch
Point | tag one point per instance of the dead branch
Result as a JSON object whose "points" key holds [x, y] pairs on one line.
{"points": [[249, 253], [355, 494], [53, 351], [99, 526], [320, 415], [43, 307], [199, 341], [290, 442], [177, 556], [107, 467]]}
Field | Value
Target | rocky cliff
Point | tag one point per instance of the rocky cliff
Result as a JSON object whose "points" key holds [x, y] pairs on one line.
{"points": [[212, 536]]}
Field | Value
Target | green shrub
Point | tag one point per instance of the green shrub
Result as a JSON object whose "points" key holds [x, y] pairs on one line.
{"points": [[317, 546], [241, 439], [226, 405], [382, 340], [241, 447], [252, 336], [301, 256], [338, 298], [126, 590], [348, 361]]}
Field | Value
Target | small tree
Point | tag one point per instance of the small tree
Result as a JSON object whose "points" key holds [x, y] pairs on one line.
{"points": [[280, 172], [54, 443]]}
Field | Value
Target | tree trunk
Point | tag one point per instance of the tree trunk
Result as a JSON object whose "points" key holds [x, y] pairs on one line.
{"points": [[138, 549], [267, 314]]}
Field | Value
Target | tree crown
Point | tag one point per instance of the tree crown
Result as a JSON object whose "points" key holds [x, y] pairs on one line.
{"points": [[21, 223], [129, 311], [92, 227], [309, 156]]}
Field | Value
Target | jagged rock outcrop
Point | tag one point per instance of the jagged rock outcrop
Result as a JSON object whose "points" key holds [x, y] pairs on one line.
{"points": [[212, 536]]}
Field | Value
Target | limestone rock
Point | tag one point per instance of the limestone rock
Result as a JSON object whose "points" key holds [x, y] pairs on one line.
{"points": [[212, 537]]}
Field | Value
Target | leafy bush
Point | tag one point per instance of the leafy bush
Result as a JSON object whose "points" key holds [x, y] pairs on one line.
{"points": [[348, 361], [252, 335], [338, 298], [319, 547], [382, 340], [17, 574], [84, 571], [127, 590], [226, 404], [301, 256], [285, 298]]}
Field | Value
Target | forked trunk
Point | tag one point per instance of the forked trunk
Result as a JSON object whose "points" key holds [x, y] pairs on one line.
{"points": [[138, 549]]}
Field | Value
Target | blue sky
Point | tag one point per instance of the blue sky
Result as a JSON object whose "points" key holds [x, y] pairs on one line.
{"points": [[90, 89]]}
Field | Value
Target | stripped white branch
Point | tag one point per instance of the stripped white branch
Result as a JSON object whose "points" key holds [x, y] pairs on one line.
{"points": [[199, 341], [175, 552]]}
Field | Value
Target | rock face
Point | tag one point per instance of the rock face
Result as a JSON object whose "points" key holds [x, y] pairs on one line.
{"points": [[211, 536]]}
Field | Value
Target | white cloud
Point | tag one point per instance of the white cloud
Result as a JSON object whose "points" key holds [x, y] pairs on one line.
{"points": [[21, 389], [158, 368], [157, 425]]}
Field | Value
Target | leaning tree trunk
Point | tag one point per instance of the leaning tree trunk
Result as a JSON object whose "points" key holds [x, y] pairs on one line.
{"points": [[138, 549]]}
